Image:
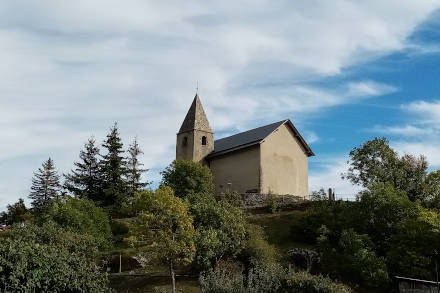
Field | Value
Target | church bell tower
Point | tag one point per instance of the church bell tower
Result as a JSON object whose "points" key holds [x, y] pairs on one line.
{"points": [[195, 139]]}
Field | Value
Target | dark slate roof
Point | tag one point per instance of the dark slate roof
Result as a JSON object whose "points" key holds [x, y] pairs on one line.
{"points": [[253, 137]]}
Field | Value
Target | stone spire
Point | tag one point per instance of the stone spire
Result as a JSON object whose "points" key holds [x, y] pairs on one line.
{"points": [[195, 118]]}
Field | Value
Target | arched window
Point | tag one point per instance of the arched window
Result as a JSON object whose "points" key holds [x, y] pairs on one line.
{"points": [[203, 140], [185, 141]]}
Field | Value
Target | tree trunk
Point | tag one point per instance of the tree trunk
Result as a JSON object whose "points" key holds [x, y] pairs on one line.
{"points": [[173, 278], [120, 263]]}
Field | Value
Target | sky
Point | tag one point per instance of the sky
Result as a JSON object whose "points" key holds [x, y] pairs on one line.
{"points": [[344, 72]]}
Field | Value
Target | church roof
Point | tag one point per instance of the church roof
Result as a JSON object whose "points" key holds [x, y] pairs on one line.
{"points": [[195, 118], [253, 137]]}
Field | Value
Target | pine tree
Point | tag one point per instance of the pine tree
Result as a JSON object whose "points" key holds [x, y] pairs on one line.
{"points": [[45, 185], [84, 180], [134, 168], [113, 169]]}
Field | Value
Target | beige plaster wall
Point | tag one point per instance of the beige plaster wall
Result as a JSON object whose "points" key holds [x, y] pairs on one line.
{"points": [[284, 165], [240, 168]]}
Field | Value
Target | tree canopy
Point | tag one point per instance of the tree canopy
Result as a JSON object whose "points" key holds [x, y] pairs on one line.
{"points": [[165, 227], [188, 177]]}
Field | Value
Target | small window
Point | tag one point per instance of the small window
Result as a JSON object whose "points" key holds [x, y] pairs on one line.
{"points": [[203, 140], [185, 141]]}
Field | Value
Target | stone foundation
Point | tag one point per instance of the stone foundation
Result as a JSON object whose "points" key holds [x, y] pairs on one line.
{"points": [[258, 201]]}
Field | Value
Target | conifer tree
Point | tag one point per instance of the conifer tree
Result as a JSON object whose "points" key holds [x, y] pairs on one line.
{"points": [[134, 168], [113, 169], [45, 185], [84, 179]]}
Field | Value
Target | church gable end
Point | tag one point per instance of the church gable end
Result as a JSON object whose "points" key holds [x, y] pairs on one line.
{"points": [[284, 162]]}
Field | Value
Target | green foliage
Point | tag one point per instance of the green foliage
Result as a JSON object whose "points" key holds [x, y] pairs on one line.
{"points": [[134, 168], [84, 180], [267, 278], [375, 161], [336, 215], [164, 228], [413, 245], [113, 169], [226, 277], [17, 213], [318, 195], [138, 203], [229, 278], [188, 177], [45, 185], [272, 203], [49, 259], [353, 259], [81, 216], [432, 190], [302, 282], [233, 197], [257, 249], [220, 229], [382, 209]]}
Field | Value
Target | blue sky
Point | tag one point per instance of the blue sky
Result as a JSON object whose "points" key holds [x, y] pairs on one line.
{"points": [[342, 71]]}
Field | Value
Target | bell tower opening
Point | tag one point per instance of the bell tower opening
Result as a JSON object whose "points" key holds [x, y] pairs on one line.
{"points": [[203, 140]]}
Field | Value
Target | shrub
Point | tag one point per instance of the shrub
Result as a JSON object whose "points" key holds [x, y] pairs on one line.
{"points": [[227, 277], [48, 259], [302, 282], [233, 197], [267, 279], [80, 216], [272, 203], [258, 250]]}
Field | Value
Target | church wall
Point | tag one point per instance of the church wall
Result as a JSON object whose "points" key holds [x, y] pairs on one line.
{"points": [[284, 165], [241, 169]]}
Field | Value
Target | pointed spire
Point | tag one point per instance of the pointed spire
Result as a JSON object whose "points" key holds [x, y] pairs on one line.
{"points": [[195, 118]]}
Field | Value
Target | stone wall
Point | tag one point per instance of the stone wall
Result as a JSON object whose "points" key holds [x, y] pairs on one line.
{"points": [[258, 201]]}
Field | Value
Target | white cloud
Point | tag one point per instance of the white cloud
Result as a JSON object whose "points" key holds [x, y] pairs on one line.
{"points": [[70, 69]]}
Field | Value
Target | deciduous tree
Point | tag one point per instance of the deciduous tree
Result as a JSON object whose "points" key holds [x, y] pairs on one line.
{"points": [[164, 228], [188, 177]]}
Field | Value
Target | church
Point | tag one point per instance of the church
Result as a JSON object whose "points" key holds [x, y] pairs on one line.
{"points": [[271, 159]]}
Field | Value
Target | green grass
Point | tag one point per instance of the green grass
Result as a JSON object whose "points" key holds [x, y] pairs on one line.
{"points": [[278, 228], [135, 284]]}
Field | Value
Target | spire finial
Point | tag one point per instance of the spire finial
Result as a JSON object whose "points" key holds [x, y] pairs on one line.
{"points": [[197, 88]]}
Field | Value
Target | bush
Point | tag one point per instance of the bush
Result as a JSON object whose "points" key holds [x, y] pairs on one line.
{"points": [[233, 197], [188, 177], [272, 203], [227, 277], [80, 216], [48, 259], [267, 279], [302, 282], [258, 250]]}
